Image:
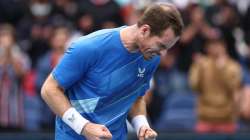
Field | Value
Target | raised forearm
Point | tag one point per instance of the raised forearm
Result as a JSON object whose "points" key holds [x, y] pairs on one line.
{"points": [[139, 108], [138, 114], [139, 120]]}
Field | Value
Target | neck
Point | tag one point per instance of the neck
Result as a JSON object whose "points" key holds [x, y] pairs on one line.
{"points": [[129, 37]]}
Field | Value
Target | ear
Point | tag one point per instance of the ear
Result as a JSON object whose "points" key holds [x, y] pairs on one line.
{"points": [[145, 30]]}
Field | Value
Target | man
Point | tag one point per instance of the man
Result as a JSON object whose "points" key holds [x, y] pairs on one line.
{"points": [[103, 76]]}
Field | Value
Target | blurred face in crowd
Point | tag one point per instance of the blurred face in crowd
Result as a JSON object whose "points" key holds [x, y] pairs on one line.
{"points": [[59, 38], [216, 49], [153, 45], [86, 23], [6, 41], [197, 15]]}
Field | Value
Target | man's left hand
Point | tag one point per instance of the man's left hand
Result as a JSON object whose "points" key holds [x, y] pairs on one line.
{"points": [[146, 133]]}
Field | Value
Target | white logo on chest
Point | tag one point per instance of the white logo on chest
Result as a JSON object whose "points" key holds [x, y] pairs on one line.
{"points": [[141, 72]]}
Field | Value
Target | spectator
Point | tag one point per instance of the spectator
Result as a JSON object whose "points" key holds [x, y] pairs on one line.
{"points": [[109, 9], [46, 63], [225, 17], [34, 30], [216, 78], [68, 9], [13, 66], [194, 36]]}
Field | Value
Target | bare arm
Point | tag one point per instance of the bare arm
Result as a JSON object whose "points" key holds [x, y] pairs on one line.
{"points": [[138, 114], [139, 108], [54, 96]]}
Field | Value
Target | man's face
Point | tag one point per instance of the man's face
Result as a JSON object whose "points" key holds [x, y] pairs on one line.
{"points": [[151, 46]]}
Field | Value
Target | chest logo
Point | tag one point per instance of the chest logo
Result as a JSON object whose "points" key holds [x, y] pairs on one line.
{"points": [[141, 72]]}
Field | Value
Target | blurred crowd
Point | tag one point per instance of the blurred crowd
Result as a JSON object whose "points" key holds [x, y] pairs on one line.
{"points": [[202, 84]]}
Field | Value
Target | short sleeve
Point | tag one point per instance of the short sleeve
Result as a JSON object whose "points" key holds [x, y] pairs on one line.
{"points": [[74, 64]]}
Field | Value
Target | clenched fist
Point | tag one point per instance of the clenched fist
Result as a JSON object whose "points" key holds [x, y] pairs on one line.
{"points": [[146, 133], [94, 131]]}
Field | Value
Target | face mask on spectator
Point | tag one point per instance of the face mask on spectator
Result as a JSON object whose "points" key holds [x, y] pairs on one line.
{"points": [[40, 9]]}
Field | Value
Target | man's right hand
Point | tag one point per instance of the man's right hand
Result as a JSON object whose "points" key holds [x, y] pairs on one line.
{"points": [[94, 131]]}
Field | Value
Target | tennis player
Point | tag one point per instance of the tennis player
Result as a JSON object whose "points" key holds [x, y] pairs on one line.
{"points": [[103, 76]]}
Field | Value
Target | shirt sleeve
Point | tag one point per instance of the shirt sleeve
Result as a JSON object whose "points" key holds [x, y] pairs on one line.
{"points": [[75, 63]]}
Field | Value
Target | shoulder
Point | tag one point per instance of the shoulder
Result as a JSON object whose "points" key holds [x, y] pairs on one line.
{"points": [[94, 40], [99, 35], [233, 65]]}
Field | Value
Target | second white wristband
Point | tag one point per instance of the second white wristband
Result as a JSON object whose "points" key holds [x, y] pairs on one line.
{"points": [[139, 121]]}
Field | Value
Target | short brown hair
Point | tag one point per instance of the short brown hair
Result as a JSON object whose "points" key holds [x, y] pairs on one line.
{"points": [[160, 16]]}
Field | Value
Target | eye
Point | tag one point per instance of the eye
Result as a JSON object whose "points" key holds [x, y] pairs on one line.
{"points": [[161, 46]]}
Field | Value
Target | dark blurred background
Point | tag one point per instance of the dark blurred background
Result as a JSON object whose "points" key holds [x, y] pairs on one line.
{"points": [[201, 89]]}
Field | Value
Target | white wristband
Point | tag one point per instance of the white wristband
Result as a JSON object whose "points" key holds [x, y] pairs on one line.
{"points": [[74, 119], [138, 121]]}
